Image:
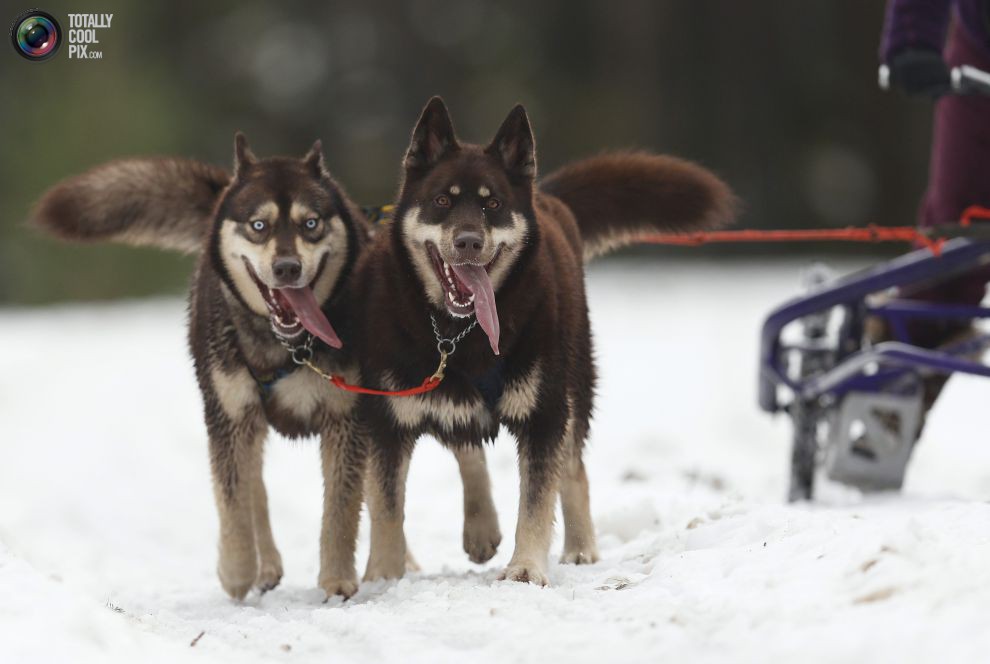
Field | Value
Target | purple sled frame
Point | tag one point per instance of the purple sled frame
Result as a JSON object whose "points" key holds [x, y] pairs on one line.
{"points": [[871, 369]]}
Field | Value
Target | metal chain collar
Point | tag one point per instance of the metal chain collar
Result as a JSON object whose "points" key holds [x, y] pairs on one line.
{"points": [[445, 346], [448, 346], [301, 354]]}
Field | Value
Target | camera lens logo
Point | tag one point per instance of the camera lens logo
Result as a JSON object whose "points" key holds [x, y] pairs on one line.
{"points": [[36, 35]]}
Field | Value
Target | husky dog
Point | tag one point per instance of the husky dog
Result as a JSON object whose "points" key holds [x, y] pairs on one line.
{"points": [[278, 241], [473, 229]]}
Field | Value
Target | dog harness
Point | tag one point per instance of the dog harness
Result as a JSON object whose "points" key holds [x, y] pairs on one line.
{"points": [[266, 382], [378, 214]]}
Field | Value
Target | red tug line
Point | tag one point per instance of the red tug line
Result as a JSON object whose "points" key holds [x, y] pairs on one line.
{"points": [[931, 238], [427, 385]]}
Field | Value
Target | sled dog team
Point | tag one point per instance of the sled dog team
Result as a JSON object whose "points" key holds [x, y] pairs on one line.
{"points": [[483, 260]]}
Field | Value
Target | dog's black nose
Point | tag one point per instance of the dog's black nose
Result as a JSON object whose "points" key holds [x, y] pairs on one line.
{"points": [[287, 270], [468, 243]]}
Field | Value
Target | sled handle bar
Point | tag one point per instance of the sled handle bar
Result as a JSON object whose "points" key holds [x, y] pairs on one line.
{"points": [[970, 80], [965, 80]]}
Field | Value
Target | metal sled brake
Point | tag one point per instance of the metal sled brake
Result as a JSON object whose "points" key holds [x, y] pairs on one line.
{"points": [[856, 406]]}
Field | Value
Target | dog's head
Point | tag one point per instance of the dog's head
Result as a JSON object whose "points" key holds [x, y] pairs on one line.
{"points": [[282, 237], [466, 211]]}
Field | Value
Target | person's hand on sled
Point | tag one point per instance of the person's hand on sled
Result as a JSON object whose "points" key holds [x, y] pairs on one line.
{"points": [[917, 72]]}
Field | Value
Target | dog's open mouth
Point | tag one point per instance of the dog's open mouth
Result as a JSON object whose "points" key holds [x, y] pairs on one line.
{"points": [[295, 310], [468, 290]]}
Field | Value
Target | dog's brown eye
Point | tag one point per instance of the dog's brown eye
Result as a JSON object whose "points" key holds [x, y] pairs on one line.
{"points": [[443, 200], [493, 204]]}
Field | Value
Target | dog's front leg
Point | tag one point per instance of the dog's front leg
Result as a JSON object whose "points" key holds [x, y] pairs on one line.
{"points": [[579, 531], [386, 489], [237, 426], [269, 559], [343, 456], [235, 459], [539, 473], [481, 532]]}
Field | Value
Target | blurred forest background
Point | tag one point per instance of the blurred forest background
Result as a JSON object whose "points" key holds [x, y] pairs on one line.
{"points": [[778, 97]]}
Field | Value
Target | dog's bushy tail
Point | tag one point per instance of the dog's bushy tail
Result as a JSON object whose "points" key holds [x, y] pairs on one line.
{"points": [[619, 196], [158, 202]]}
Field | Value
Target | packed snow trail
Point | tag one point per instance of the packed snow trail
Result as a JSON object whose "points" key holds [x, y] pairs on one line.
{"points": [[108, 528]]}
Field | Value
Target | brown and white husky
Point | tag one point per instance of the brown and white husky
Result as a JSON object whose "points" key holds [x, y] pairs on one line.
{"points": [[477, 238]]}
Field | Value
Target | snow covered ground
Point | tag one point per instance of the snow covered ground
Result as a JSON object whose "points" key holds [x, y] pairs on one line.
{"points": [[108, 530]]}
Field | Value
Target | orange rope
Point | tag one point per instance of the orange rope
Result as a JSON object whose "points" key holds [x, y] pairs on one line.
{"points": [[428, 385], [974, 212], [871, 233]]}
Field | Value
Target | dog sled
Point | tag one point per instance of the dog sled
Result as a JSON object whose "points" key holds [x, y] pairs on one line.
{"points": [[856, 404]]}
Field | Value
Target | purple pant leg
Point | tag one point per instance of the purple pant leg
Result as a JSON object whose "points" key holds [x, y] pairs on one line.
{"points": [[959, 173], [959, 176]]}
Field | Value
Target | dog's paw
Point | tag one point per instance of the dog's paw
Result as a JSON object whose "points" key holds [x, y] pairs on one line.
{"points": [[386, 569], [269, 574], [343, 587], [525, 572], [237, 574], [580, 556], [481, 538]]}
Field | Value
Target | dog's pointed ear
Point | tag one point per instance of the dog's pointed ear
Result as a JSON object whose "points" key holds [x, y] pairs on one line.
{"points": [[433, 137], [514, 145], [243, 157], [314, 159]]}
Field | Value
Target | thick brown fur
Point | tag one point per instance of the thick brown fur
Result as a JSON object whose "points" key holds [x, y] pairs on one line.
{"points": [[161, 202], [535, 243], [620, 195]]}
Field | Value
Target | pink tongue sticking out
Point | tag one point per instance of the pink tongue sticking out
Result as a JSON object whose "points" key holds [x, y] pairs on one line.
{"points": [[475, 277], [305, 306]]}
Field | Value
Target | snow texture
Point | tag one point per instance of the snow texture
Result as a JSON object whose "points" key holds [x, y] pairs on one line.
{"points": [[108, 530]]}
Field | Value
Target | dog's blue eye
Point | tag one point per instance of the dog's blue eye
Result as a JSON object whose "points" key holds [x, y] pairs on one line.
{"points": [[311, 224], [259, 225]]}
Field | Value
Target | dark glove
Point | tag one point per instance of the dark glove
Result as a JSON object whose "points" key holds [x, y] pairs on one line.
{"points": [[919, 72]]}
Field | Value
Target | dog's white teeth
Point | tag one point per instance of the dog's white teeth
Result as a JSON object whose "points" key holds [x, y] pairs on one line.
{"points": [[280, 321], [460, 303]]}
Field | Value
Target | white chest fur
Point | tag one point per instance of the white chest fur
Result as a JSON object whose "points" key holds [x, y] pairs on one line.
{"points": [[304, 394], [412, 412]]}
